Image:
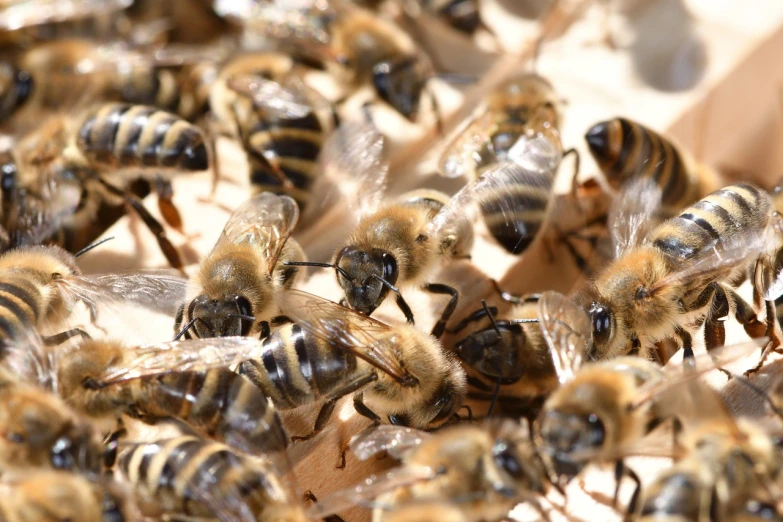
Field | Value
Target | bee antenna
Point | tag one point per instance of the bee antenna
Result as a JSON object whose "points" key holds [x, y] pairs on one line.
{"points": [[761, 393], [490, 316], [189, 326], [91, 246], [386, 283], [319, 265]]}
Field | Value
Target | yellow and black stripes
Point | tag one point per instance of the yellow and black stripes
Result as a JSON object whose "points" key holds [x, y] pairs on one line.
{"points": [[20, 308], [284, 146], [219, 402], [296, 368], [626, 150], [720, 217], [121, 135], [194, 477]]}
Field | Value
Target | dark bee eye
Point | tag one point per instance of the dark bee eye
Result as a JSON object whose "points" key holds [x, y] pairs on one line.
{"points": [[389, 268], [602, 323], [596, 431], [507, 460], [446, 406], [243, 305], [91, 384], [15, 437]]}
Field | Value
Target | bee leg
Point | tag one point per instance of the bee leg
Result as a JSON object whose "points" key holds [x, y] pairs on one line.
{"points": [[687, 342], [152, 224], [714, 327], [406, 310], [621, 470], [280, 319], [166, 206], [437, 288], [363, 410], [436, 110], [366, 110], [260, 163], [112, 444], [514, 299], [746, 315], [494, 399], [265, 329], [54, 340], [575, 179], [331, 402]]}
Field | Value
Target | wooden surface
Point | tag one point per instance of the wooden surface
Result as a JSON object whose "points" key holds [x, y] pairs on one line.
{"points": [[731, 119]]}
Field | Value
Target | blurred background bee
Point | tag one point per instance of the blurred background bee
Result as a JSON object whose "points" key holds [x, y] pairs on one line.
{"points": [[56, 177]]}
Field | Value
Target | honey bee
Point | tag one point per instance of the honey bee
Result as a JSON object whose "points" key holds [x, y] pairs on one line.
{"points": [[238, 282], [680, 276], [398, 373], [364, 48], [56, 177], [40, 285], [602, 410], [518, 123], [281, 123], [41, 431], [625, 150], [105, 379], [482, 471], [54, 496], [731, 467], [507, 357], [404, 240], [197, 478]]}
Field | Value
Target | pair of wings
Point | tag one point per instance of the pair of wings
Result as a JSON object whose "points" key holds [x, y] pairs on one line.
{"points": [[321, 318]]}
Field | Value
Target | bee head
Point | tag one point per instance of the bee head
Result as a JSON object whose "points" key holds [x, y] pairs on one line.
{"points": [[565, 433], [602, 322], [79, 373], [229, 316], [75, 449], [400, 82], [365, 276]]}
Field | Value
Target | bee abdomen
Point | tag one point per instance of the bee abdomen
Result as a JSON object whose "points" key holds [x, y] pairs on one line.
{"points": [[19, 309], [293, 146], [515, 216], [226, 406], [626, 150], [123, 135], [724, 215], [297, 368]]}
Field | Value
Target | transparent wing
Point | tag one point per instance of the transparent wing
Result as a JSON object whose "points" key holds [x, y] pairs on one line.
{"points": [[769, 270], [369, 490], [289, 99], [725, 255], [461, 155], [18, 14], [159, 290], [567, 330], [182, 356], [386, 438], [265, 220], [353, 159], [343, 327], [631, 214], [507, 188]]}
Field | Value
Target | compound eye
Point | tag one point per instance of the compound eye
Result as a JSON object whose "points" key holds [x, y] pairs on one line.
{"points": [[243, 305], [506, 459], [601, 319]]}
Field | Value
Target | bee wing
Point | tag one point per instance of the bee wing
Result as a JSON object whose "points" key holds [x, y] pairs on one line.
{"points": [[631, 214], [768, 277], [266, 220], [288, 99], [395, 440], [679, 374], [25, 13], [461, 155], [159, 290], [353, 158], [343, 327], [724, 255], [507, 187], [567, 331], [182, 356], [366, 493]]}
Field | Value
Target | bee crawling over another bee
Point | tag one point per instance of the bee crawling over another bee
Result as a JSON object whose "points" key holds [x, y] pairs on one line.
{"points": [[240, 280]]}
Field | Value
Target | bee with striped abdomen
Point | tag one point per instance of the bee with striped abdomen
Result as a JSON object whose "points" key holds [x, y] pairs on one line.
{"points": [[105, 379], [518, 123], [57, 176], [206, 480], [238, 283], [261, 100], [680, 276], [626, 150]]}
